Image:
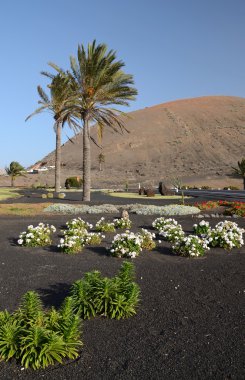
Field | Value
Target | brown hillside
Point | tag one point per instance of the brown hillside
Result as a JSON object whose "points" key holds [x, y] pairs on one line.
{"points": [[193, 139]]}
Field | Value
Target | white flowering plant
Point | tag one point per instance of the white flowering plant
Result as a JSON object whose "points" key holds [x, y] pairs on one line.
{"points": [[202, 228], [147, 239], [78, 223], [190, 246], [160, 223], [75, 239], [172, 232], [103, 226], [71, 244], [123, 223], [127, 244], [227, 235], [38, 236]]}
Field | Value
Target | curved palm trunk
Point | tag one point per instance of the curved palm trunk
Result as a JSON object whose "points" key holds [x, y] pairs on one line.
{"points": [[58, 157], [86, 162]]}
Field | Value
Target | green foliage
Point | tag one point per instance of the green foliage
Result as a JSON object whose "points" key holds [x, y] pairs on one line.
{"points": [[116, 298], [75, 182], [240, 170], [14, 170], [39, 338]]}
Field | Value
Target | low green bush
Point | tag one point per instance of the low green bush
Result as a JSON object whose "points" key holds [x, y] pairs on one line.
{"points": [[38, 338], [115, 297], [75, 182]]}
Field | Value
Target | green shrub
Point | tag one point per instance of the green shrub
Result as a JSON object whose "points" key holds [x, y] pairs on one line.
{"points": [[39, 338], [116, 298], [50, 195], [61, 195], [75, 182], [230, 188], [44, 196]]}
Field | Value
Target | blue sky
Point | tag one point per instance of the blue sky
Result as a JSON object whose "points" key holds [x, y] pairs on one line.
{"points": [[174, 49]]}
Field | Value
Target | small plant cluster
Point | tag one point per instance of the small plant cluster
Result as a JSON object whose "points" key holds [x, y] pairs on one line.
{"points": [[202, 228], [190, 246], [147, 240], [39, 338], [122, 223], [77, 236], [225, 234], [231, 208], [169, 228], [130, 244], [127, 244], [78, 223], [36, 236], [103, 226], [236, 208], [115, 297]]}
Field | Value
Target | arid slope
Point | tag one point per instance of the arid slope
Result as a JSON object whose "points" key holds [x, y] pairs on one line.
{"points": [[193, 139]]}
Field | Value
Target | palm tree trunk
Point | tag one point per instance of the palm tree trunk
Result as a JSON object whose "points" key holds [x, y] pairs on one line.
{"points": [[12, 180], [86, 161], [58, 157]]}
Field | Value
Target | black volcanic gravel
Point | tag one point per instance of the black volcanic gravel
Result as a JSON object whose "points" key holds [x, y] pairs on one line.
{"points": [[188, 325]]}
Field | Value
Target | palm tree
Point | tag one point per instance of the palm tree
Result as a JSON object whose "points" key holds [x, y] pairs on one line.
{"points": [[101, 159], [14, 170], [55, 104], [99, 82], [240, 171]]}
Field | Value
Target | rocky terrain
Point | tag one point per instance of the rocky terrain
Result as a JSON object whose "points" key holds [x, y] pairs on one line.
{"points": [[197, 140]]}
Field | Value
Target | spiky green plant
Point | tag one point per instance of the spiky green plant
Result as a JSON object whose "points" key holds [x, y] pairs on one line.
{"points": [[115, 297], [39, 338], [240, 170]]}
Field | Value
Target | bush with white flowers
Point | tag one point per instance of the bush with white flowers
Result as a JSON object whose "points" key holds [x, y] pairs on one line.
{"points": [[36, 236], [103, 226], [75, 239], [127, 244], [227, 235], [71, 244], [190, 246], [123, 223], [172, 232], [147, 239], [160, 223], [202, 228], [78, 223]]}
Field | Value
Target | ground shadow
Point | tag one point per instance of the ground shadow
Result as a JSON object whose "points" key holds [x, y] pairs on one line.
{"points": [[101, 251], [55, 294]]}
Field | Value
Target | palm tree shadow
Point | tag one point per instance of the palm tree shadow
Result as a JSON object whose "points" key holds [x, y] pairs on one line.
{"points": [[164, 251], [101, 251], [55, 294]]}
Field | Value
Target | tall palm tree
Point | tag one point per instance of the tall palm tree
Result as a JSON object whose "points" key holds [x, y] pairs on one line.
{"points": [[55, 104], [14, 170], [240, 171], [99, 82]]}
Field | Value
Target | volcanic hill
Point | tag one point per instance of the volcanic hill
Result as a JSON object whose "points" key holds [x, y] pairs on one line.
{"points": [[192, 139]]}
